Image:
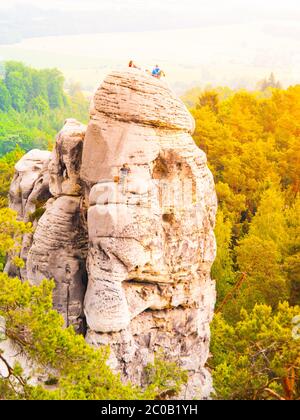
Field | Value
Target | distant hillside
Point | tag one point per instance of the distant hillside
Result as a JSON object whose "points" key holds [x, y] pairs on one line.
{"points": [[27, 21], [34, 105]]}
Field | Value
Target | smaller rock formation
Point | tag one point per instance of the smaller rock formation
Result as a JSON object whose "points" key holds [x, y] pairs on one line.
{"points": [[30, 183], [60, 241], [28, 194], [46, 191], [64, 167]]}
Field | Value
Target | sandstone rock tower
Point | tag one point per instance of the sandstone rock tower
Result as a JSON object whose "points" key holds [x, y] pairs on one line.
{"points": [[127, 231]]}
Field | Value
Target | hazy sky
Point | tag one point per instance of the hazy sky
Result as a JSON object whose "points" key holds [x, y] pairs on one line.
{"points": [[234, 42], [30, 18], [205, 10]]}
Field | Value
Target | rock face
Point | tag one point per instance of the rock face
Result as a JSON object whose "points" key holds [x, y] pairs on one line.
{"points": [[29, 191], [128, 233], [59, 246]]}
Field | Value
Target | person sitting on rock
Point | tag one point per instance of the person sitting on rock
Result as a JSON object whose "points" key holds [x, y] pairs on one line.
{"points": [[157, 72], [132, 65]]}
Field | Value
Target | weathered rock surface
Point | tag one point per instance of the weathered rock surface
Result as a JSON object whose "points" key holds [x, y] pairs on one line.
{"points": [[64, 167], [58, 248], [59, 252], [29, 191], [30, 183], [151, 238], [129, 229]]}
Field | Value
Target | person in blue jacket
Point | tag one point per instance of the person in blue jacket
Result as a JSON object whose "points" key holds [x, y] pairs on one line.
{"points": [[156, 72]]}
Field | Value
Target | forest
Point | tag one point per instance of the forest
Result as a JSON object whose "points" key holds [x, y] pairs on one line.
{"points": [[252, 143], [33, 106], [251, 139]]}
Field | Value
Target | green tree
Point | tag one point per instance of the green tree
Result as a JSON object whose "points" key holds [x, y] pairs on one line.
{"points": [[209, 98], [252, 143], [292, 260], [269, 82], [25, 85], [11, 232], [260, 254], [39, 84], [5, 98], [269, 222], [77, 370], [15, 84], [223, 268], [55, 84], [36, 107], [258, 358], [40, 105], [266, 283], [74, 369], [7, 169]]}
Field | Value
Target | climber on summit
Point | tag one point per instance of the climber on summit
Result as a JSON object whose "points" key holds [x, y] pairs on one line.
{"points": [[157, 72], [132, 65]]}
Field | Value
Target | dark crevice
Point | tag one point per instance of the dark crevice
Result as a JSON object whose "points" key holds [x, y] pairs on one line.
{"points": [[154, 124]]}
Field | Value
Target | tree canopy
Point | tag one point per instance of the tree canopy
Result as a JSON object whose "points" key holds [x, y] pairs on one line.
{"points": [[34, 105], [252, 140]]}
